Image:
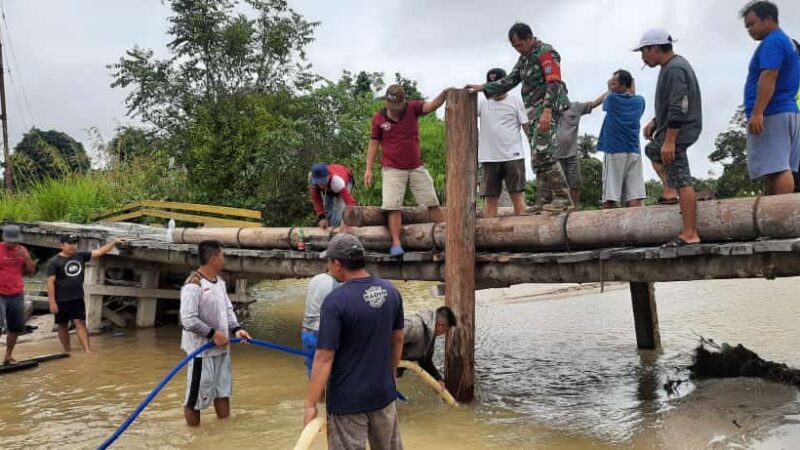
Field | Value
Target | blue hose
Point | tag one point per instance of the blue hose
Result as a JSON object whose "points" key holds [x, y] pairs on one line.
{"points": [[180, 366]]}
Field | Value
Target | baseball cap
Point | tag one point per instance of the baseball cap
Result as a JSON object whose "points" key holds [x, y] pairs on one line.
{"points": [[319, 173], [12, 234], [395, 98], [654, 36], [343, 246], [495, 74], [69, 238]]}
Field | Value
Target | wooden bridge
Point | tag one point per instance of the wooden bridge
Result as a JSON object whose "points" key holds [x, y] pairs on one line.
{"points": [[755, 238]]}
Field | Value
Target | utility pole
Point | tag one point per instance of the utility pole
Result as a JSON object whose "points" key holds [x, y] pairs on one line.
{"points": [[4, 118]]}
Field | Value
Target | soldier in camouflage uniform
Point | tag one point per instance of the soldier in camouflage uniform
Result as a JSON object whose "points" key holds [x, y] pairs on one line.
{"points": [[545, 96]]}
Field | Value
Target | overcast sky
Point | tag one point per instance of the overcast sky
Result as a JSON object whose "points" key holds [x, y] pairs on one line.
{"points": [[61, 48]]}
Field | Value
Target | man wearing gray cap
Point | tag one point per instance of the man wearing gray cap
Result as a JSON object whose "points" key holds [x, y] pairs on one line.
{"points": [[677, 125], [358, 350], [14, 260]]}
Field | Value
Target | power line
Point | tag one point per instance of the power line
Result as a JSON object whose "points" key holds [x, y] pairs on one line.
{"points": [[16, 65]]}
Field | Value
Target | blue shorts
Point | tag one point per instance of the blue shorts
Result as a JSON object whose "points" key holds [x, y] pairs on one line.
{"points": [[777, 148], [309, 346]]}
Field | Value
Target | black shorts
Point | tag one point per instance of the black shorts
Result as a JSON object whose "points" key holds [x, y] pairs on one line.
{"points": [[12, 313], [70, 310], [494, 173]]}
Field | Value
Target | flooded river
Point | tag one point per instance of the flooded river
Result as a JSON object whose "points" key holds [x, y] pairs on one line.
{"points": [[556, 372]]}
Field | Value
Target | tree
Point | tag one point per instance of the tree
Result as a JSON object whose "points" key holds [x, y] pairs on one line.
{"points": [[731, 152], [591, 172], [410, 86], [41, 155], [215, 52], [130, 143]]}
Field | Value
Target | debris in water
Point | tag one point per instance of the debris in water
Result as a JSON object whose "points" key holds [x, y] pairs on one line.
{"points": [[731, 362]]}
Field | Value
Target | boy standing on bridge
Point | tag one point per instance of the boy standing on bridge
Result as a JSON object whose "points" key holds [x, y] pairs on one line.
{"points": [[207, 314], [14, 260], [358, 350], [65, 273]]}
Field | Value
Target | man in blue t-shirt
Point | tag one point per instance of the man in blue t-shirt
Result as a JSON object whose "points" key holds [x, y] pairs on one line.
{"points": [[359, 345], [773, 132], [623, 176]]}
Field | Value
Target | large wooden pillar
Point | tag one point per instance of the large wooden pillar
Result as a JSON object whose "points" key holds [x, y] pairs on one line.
{"points": [[146, 306], [94, 276], [645, 315], [462, 168]]}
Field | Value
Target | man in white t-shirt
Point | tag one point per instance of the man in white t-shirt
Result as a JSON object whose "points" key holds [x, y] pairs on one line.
{"points": [[500, 149]]}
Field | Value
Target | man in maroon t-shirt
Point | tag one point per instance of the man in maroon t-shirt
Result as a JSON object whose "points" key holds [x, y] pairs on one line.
{"points": [[396, 130], [14, 259]]}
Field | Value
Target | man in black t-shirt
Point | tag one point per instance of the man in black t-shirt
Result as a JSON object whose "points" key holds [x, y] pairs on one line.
{"points": [[65, 273]]}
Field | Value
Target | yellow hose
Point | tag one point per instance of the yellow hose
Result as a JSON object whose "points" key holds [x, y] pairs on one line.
{"points": [[310, 432], [444, 393]]}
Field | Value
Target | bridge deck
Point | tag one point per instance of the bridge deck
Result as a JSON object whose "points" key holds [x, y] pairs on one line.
{"points": [[764, 258]]}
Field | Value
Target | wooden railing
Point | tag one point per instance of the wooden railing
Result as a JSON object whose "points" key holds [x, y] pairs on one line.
{"points": [[231, 217]]}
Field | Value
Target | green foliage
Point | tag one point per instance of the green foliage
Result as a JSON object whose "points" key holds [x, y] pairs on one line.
{"points": [[42, 155], [731, 152], [215, 52], [591, 172], [410, 86]]}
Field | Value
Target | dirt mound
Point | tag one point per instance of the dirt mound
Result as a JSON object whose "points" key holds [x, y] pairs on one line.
{"points": [[731, 362]]}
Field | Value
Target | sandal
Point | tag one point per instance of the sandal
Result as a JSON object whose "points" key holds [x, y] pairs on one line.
{"points": [[677, 242], [9, 362], [667, 201]]}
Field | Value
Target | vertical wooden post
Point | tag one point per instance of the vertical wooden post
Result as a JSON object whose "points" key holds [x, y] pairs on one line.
{"points": [[94, 276], [462, 168], [645, 315], [241, 290], [146, 306]]}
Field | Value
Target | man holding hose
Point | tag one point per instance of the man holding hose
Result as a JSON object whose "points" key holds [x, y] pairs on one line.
{"points": [[207, 314]]}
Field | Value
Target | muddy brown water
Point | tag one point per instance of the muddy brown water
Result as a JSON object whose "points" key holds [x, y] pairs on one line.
{"points": [[553, 372]]}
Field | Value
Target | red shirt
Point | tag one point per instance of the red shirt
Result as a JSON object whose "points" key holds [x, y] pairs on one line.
{"points": [[11, 267], [339, 186], [399, 140]]}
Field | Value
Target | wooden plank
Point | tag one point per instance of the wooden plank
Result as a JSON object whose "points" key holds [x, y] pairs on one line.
{"points": [[200, 219], [462, 167], [8, 368], [220, 210], [645, 316], [137, 292], [127, 207], [146, 306], [124, 217]]}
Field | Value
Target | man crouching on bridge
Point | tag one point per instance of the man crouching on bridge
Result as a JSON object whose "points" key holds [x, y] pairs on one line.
{"points": [[207, 314]]}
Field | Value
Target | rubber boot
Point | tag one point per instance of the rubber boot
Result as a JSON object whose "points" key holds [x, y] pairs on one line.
{"points": [[555, 180], [543, 197]]}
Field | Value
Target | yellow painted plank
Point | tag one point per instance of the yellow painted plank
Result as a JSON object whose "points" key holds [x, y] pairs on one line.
{"points": [[221, 210], [127, 207], [199, 219], [123, 217]]}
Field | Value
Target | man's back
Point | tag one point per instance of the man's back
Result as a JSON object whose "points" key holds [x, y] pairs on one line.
{"points": [[357, 322], [621, 126]]}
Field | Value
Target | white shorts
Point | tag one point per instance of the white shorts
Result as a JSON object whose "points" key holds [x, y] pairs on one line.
{"points": [[418, 180], [208, 378], [623, 177]]}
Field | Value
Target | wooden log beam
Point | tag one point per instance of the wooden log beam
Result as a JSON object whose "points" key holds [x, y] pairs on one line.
{"points": [[462, 167], [369, 216], [740, 219]]}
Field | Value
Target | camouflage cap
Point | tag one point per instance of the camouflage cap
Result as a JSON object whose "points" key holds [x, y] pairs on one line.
{"points": [[395, 98], [343, 246]]}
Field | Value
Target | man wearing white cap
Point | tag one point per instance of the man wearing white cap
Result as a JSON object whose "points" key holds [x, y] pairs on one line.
{"points": [[677, 125]]}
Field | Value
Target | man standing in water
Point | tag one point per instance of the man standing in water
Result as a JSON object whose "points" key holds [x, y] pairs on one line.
{"points": [[358, 350], [14, 260], [421, 330], [207, 314], [65, 273], [545, 94], [318, 288]]}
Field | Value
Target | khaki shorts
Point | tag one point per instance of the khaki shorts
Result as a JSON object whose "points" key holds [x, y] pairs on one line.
{"points": [[418, 180], [352, 431]]}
